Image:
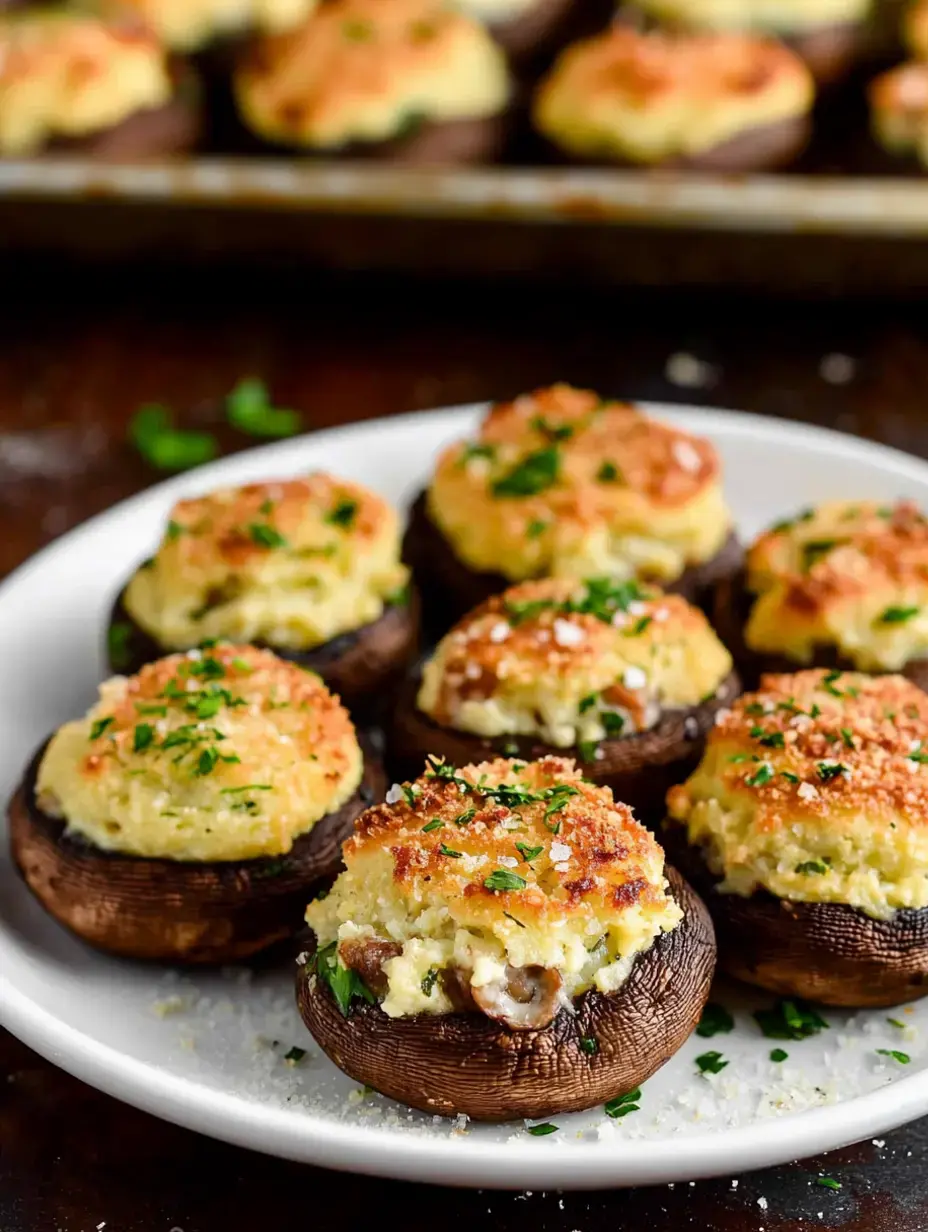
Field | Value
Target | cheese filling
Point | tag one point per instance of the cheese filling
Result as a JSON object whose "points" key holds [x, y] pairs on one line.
{"points": [[816, 789], [772, 16], [223, 754], [505, 888], [65, 75], [188, 25], [848, 575], [562, 483], [292, 564], [573, 664]]}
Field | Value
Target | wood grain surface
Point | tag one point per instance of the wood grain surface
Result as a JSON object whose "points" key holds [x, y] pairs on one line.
{"points": [[80, 350]]}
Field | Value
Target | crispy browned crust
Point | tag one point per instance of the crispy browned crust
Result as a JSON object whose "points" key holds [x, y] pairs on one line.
{"points": [[825, 952], [169, 910], [363, 667], [830, 51], [640, 768], [450, 588], [731, 607], [454, 1063]]}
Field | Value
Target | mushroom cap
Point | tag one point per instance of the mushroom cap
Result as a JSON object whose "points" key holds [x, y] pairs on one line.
{"points": [[468, 1063]]}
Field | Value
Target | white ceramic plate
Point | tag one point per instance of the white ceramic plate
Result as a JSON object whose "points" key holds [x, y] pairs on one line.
{"points": [[207, 1049]]}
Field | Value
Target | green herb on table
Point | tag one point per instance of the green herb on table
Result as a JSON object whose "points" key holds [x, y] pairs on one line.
{"points": [[295, 1055], [828, 1182], [902, 1057], [250, 410], [166, 447], [790, 1020], [715, 1020], [778, 1055], [710, 1063], [541, 1131], [622, 1105], [896, 1022], [118, 638]]}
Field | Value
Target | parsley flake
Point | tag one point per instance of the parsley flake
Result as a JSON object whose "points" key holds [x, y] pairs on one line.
{"points": [[902, 1057], [100, 726], [535, 473], [541, 1131], [429, 981], [710, 1063], [118, 642], [343, 514], [778, 1054], [715, 1020], [295, 1055], [609, 473], [265, 536], [813, 866], [527, 853], [249, 409], [828, 1182], [622, 1105], [166, 447], [435, 824], [828, 770], [142, 737], [503, 879], [447, 851], [589, 1045], [790, 1020], [897, 615], [763, 774], [344, 984]]}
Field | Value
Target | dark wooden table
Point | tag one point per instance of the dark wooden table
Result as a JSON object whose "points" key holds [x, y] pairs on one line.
{"points": [[80, 350]]}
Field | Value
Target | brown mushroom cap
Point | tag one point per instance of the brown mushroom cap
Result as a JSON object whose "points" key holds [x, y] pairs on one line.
{"points": [[731, 607], [826, 952], [639, 768], [830, 51], [172, 910], [360, 666], [468, 1063], [450, 588]]}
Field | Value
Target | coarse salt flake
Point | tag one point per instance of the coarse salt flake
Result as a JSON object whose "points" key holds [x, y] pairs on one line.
{"points": [[394, 795], [509, 861], [560, 851], [567, 634], [634, 678], [500, 631]]}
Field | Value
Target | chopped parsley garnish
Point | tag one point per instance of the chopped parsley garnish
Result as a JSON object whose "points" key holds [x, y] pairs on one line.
{"points": [[118, 637], [343, 514], [589, 1045], [789, 776], [465, 818], [399, 597], [207, 761], [778, 1054], [167, 448], [447, 851], [710, 1063], [435, 824], [513, 918], [295, 1055], [535, 473], [476, 450], [790, 1020], [918, 754], [622, 1105], [249, 409], [612, 722], [828, 1182], [552, 432], [541, 1131], [266, 536], [848, 737], [429, 980], [609, 473], [770, 740], [902, 1057], [409, 793], [828, 770], [829, 684], [344, 984], [100, 726], [737, 758], [527, 610], [587, 703], [639, 626], [527, 853], [142, 737], [503, 879], [815, 549], [813, 866], [174, 531], [897, 615], [236, 791], [788, 523], [895, 1022], [604, 597], [154, 708], [715, 1020], [535, 528], [763, 774]]}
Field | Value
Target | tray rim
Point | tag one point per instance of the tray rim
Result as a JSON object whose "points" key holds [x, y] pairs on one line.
{"points": [[886, 206]]}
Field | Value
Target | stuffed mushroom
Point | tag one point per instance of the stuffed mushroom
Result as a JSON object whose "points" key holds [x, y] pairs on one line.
{"points": [[842, 585], [829, 35], [564, 483], [406, 80], [187, 815], [626, 678], [189, 25], [719, 101], [804, 828], [505, 942], [527, 29], [73, 82], [308, 567]]}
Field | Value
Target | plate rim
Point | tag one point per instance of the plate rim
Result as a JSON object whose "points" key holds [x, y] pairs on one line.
{"points": [[312, 1137]]}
